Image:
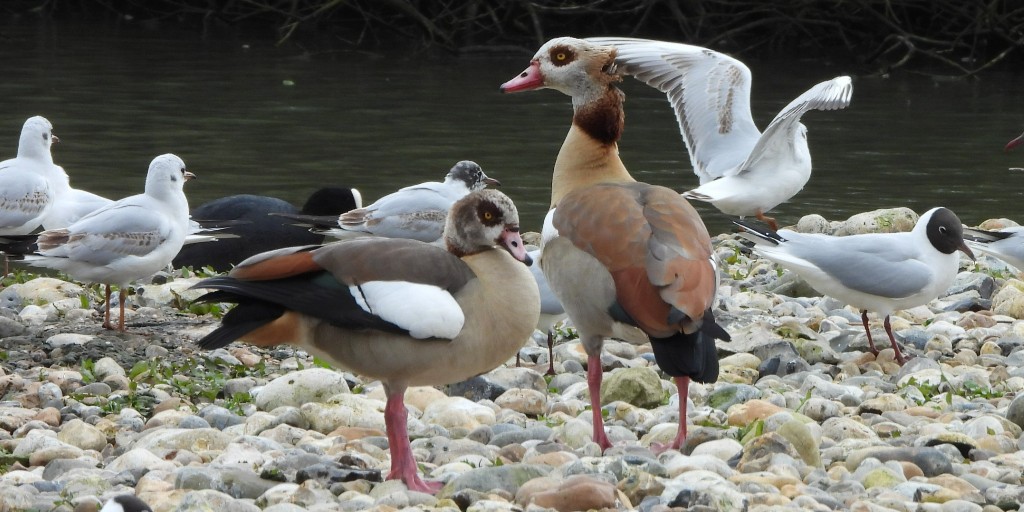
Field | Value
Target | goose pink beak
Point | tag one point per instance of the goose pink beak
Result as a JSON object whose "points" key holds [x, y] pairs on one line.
{"points": [[513, 243], [526, 81], [1009, 145]]}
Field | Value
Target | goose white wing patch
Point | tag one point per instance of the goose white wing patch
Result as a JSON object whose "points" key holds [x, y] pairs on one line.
{"points": [[426, 311], [549, 232]]}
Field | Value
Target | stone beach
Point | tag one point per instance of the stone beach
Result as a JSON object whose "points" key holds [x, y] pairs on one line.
{"points": [[803, 417]]}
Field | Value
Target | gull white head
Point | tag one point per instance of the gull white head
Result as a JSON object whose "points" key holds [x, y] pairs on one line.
{"points": [[36, 139], [166, 173]]}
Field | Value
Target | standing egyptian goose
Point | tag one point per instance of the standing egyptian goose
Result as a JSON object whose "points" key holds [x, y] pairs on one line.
{"points": [[617, 251], [126, 240], [742, 171], [1017, 141], [403, 311]]}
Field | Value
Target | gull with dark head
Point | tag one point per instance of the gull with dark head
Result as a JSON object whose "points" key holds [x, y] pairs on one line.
{"points": [[880, 272]]}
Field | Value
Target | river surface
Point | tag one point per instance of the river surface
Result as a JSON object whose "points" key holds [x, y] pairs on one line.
{"points": [[249, 117]]}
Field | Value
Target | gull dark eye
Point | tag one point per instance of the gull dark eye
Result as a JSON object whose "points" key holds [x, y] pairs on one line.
{"points": [[46, 136], [943, 230]]}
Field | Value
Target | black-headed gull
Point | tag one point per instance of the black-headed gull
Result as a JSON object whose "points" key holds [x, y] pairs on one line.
{"points": [[415, 212], [126, 503], [256, 230], [742, 171], [402, 311], [1006, 244], [29, 183], [880, 272], [126, 240]]}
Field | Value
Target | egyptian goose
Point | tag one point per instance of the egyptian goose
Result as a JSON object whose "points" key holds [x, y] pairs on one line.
{"points": [[256, 230], [126, 240], [415, 212], [742, 171], [880, 272], [1014, 143], [617, 251], [403, 311]]}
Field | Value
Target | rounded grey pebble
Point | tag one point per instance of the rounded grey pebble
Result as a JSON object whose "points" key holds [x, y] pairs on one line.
{"points": [[48, 486], [539, 433], [194, 478], [193, 422], [94, 389], [563, 380], [572, 367], [481, 434], [155, 351], [1015, 412], [219, 417]]}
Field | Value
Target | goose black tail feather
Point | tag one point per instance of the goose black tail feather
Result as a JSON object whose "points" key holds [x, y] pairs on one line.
{"points": [[316, 294], [691, 355], [244, 318]]}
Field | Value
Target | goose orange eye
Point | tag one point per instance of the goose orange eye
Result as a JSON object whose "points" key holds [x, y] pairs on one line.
{"points": [[488, 215], [560, 56]]}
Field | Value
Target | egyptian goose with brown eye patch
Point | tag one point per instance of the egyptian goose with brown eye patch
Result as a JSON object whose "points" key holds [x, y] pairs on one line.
{"points": [[617, 251], [742, 171], [403, 311], [1014, 143], [126, 240]]}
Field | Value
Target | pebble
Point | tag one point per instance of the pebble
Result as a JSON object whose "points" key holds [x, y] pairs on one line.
{"points": [[802, 418]]}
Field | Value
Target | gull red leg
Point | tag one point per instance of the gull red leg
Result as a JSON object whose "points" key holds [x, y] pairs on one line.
{"points": [[403, 464], [594, 376], [768, 220], [888, 330], [867, 330]]}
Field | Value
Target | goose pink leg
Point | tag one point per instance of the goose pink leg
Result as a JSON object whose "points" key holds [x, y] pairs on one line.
{"points": [[403, 464], [594, 376], [683, 385]]}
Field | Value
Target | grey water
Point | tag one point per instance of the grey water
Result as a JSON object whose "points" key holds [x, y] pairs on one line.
{"points": [[251, 117]]}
